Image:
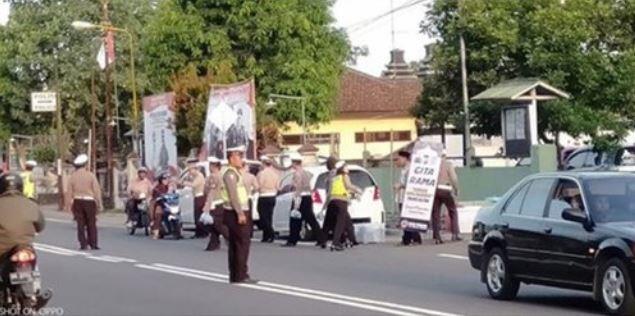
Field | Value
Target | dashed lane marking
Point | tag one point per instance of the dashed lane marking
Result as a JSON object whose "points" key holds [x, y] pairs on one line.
{"points": [[452, 256]]}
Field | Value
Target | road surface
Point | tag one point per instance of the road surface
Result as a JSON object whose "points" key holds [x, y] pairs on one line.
{"points": [[134, 275]]}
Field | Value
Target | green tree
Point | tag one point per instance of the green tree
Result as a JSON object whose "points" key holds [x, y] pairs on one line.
{"points": [[288, 46], [40, 50], [584, 47]]}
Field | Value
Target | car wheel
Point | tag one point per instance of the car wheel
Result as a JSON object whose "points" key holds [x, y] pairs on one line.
{"points": [[616, 292], [500, 283]]}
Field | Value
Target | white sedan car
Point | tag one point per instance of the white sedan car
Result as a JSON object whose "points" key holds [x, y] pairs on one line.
{"points": [[369, 208]]}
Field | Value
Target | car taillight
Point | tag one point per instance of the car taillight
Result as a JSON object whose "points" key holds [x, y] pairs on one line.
{"points": [[376, 194], [316, 197], [23, 255]]}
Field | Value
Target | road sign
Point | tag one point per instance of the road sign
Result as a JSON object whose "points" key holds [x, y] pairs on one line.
{"points": [[43, 101]]}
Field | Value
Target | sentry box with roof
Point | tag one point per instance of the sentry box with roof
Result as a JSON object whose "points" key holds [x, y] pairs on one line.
{"points": [[519, 116]]}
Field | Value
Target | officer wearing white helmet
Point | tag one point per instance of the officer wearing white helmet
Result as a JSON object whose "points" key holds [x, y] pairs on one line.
{"points": [[303, 205], [269, 184], [237, 217], [196, 180], [84, 201], [214, 204]]}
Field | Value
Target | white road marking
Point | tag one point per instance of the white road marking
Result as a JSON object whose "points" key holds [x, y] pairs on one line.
{"points": [[316, 295], [451, 256], [312, 292], [57, 220]]}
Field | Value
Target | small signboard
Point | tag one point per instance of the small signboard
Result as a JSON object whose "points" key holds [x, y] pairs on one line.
{"points": [[43, 101], [421, 186]]}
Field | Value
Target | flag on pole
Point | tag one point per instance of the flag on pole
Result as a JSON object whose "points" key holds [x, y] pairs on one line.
{"points": [[106, 54]]}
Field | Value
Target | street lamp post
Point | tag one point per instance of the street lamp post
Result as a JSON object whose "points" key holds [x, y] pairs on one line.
{"points": [[82, 25], [302, 100]]}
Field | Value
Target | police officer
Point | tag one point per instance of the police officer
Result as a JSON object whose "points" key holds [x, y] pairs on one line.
{"points": [[269, 183], [196, 180], [447, 188], [237, 217], [214, 204], [84, 195], [340, 194], [139, 189], [20, 218], [28, 181], [303, 203]]}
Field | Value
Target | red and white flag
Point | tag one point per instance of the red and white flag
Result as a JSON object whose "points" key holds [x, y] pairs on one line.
{"points": [[106, 55]]}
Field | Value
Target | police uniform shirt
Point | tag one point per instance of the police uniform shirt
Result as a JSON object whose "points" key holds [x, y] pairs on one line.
{"points": [[197, 183], [302, 182], [269, 181], [84, 185], [214, 187], [251, 183]]}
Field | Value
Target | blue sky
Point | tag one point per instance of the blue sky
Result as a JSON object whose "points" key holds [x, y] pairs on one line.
{"points": [[375, 36]]}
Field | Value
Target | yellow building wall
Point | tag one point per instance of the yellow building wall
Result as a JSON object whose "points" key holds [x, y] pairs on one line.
{"points": [[347, 127]]}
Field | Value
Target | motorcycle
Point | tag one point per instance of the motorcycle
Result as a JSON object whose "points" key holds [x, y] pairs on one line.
{"points": [[171, 224], [141, 218], [21, 283]]}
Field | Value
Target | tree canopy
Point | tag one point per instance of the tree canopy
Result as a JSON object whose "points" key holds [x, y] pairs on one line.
{"points": [[287, 46], [585, 47]]}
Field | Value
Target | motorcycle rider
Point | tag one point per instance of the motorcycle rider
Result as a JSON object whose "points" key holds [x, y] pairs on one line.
{"points": [[20, 217], [162, 188], [139, 189]]}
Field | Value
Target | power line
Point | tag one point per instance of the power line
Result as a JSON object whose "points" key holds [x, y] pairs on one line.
{"points": [[363, 24]]}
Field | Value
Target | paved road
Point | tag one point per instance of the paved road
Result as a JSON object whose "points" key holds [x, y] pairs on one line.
{"points": [[133, 275]]}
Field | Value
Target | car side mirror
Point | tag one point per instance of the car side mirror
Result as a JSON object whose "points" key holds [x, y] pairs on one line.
{"points": [[574, 215]]}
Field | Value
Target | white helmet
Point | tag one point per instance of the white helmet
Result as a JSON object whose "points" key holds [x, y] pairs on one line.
{"points": [[80, 160]]}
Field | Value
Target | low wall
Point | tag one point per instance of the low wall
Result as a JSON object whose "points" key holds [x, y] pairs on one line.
{"points": [[477, 184]]}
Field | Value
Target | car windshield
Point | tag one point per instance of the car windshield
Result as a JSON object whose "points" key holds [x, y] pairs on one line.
{"points": [[611, 199]]}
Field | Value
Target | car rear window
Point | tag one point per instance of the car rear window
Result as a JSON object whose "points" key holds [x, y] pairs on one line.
{"points": [[359, 178]]}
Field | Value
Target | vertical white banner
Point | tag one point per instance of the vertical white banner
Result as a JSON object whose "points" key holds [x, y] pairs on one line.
{"points": [[421, 186], [160, 134]]}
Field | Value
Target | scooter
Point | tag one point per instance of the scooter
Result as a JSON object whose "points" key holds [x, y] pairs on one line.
{"points": [[171, 224], [141, 218], [21, 283]]}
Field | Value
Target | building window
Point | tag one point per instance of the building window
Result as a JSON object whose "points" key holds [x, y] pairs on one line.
{"points": [[315, 139], [377, 137]]}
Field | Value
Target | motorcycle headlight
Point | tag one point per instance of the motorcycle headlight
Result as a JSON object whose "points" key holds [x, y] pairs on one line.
{"points": [[174, 210]]}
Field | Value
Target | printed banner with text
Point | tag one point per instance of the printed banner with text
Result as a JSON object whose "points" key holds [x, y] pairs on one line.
{"points": [[421, 186]]}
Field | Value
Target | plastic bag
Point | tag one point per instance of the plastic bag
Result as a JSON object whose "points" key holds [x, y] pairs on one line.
{"points": [[206, 219], [295, 214]]}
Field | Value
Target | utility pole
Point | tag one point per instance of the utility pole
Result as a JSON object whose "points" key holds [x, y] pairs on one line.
{"points": [[93, 103], [60, 143], [467, 135], [108, 101]]}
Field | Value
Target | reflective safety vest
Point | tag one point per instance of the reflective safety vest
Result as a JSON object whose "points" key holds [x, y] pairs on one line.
{"points": [[338, 188], [243, 197], [28, 184]]}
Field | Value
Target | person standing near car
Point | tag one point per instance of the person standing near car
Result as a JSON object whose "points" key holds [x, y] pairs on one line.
{"points": [[237, 217], [269, 184], [214, 205], [341, 191], [196, 180], [329, 209], [303, 204], [139, 189], [84, 196], [447, 188], [403, 161]]}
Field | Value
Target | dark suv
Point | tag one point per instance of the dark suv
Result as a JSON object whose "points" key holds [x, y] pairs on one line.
{"points": [[572, 230]]}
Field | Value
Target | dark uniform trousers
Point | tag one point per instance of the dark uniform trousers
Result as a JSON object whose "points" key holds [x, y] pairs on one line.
{"points": [[199, 203], [239, 242], [217, 229], [343, 223], [444, 197], [306, 209], [85, 212], [410, 236], [265, 214]]}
